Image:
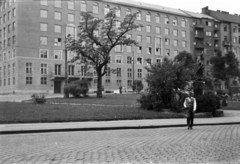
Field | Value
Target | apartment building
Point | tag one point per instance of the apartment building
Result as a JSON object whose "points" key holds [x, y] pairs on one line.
{"points": [[205, 38], [229, 30], [32, 35]]}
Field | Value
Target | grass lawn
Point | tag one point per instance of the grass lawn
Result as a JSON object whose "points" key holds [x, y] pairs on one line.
{"points": [[110, 107]]}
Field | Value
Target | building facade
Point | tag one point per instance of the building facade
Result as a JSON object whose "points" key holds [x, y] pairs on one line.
{"points": [[32, 34]]}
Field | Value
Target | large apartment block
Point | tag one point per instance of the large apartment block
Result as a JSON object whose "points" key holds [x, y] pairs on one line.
{"points": [[32, 37]]}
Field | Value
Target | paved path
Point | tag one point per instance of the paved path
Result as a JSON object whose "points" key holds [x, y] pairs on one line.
{"points": [[203, 144]]}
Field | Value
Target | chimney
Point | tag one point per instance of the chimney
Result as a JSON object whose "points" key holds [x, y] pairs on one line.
{"points": [[218, 11], [205, 10]]}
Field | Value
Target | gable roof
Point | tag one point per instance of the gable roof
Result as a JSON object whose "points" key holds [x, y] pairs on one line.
{"points": [[226, 17]]}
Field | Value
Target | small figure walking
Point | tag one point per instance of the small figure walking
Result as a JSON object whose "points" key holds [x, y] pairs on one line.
{"points": [[224, 99], [120, 89], [190, 105]]}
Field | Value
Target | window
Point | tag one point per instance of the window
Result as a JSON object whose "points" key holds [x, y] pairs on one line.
{"points": [[118, 24], [167, 41], [128, 11], [71, 17], [28, 80], [29, 68], [234, 29], [208, 23], [158, 41], [57, 28], [118, 59], [13, 12], [129, 72], [158, 60], [58, 3], [175, 52], [9, 54], [71, 70], [43, 26], [57, 70], [43, 2], [183, 23], [106, 9], [107, 82], [139, 38], [13, 39], [118, 72], [149, 61], [148, 17], [167, 31], [4, 18], [184, 43], [129, 60], [149, 50], [139, 61], [9, 70], [118, 48], [139, 49], [224, 28], [167, 52], [43, 53], [14, 53], [83, 6], [9, 28], [13, 69], [139, 15], [157, 19], [175, 21], [57, 41], [139, 28], [128, 36], [139, 73], [166, 19], [43, 69], [57, 15], [118, 12], [95, 8], [158, 30], [148, 28], [13, 26], [43, 13], [71, 30], [129, 83], [43, 40], [149, 39], [57, 54], [43, 80], [9, 42], [71, 5], [175, 32], [183, 34], [108, 72], [175, 43], [9, 15]]}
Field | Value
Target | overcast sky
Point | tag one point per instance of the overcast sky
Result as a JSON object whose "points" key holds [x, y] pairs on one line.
{"points": [[231, 6]]}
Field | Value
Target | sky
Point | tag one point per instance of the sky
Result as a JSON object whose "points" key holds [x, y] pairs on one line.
{"points": [[231, 6]]}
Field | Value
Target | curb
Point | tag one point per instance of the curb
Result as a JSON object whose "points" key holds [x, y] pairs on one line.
{"points": [[110, 128]]}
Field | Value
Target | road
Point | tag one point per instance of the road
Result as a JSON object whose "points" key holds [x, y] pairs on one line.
{"points": [[203, 144]]}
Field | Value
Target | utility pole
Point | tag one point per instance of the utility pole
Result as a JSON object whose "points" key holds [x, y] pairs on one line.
{"points": [[66, 94], [133, 68]]}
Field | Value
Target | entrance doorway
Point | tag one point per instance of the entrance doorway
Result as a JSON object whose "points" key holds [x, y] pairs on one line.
{"points": [[57, 86]]}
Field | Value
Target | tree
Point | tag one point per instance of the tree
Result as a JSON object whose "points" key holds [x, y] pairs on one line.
{"points": [[96, 39], [225, 68]]}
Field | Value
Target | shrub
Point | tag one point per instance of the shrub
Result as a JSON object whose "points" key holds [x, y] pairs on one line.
{"points": [[137, 86], [38, 98], [207, 103], [78, 88], [150, 102]]}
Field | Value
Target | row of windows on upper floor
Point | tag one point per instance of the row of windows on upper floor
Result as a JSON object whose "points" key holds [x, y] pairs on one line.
{"points": [[95, 9], [8, 42], [234, 29], [8, 29], [8, 16], [6, 3]]}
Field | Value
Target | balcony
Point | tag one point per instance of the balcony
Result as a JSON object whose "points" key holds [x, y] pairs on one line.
{"points": [[198, 45], [216, 37], [226, 43], [199, 26], [199, 35]]}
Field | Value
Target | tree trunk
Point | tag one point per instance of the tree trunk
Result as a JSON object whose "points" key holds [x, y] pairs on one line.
{"points": [[99, 83]]}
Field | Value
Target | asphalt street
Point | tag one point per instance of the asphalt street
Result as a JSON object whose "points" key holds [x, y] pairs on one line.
{"points": [[203, 144]]}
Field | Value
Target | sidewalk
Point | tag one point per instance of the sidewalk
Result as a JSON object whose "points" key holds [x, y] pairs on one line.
{"points": [[230, 117]]}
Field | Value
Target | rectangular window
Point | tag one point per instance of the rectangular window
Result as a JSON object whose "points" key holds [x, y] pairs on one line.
{"points": [[139, 61], [57, 28], [43, 80], [149, 39], [107, 82], [58, 3], [129, 83], [9, 42], [57, 41], [167, 52], [43, 40], [148, 28], [166, 31], [9, 70], [139, 73], [139, 29], [183, 43], [13, 39], [149, 50], [58, 54], [149, 61], [43, 53], [71, 70], [71, 5], [13, 12], [139, 38], [28, 80], [43, 13], [158, 30], [57, 70], [118, 48], [158, 60], [43, 69], [13, 26], [129, 72], [71, 17], [13, 69], [43, 2], [175, 32], [95, 8], [71, 31], [139, 49], [83, 6], [43, 26], [118, 59], [175, 43], [119, 72], [57, 15], [183, 34], [9, 28], [129, 48], [167, 41], [129, 60], [108, 72], [157, 19], [14, 80]]}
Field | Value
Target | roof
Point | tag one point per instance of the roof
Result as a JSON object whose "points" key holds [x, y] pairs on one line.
{"points": [[199, 15], [224, 16], [148, 6]]}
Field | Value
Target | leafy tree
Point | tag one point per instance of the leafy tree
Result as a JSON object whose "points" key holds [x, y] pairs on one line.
{"points": [[225, 68], [94, 49]]}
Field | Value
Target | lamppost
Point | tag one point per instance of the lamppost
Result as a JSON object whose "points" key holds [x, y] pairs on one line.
{"points": [[66, 94]]}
